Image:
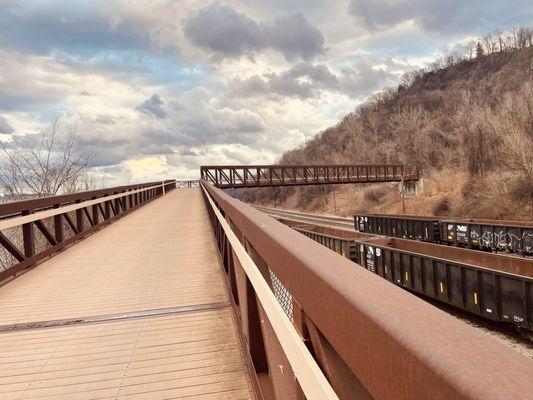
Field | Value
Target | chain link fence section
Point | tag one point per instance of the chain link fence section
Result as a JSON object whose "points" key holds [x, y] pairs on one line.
{"points": [[283, 296]]}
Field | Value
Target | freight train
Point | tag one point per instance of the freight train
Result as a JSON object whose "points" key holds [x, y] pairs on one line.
{"points": [[479, 234], [495, 287]]}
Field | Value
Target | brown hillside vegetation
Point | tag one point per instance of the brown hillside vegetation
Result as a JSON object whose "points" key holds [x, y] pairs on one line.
{"points": [[467, 123]]}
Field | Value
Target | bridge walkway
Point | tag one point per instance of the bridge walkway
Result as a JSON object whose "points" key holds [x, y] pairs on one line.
{"points": [[138, 310]]}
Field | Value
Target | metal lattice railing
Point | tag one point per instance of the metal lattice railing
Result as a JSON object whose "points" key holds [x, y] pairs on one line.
{"points": [[282, 294]]}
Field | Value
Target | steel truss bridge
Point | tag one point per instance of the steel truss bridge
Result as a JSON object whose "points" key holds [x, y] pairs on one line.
{"points": [[290, 175]]}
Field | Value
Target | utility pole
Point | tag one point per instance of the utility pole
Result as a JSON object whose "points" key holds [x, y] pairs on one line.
{"points": [[334, 198]]}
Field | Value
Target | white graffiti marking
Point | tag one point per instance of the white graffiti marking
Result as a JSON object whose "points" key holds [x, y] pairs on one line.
{"points": [[502, 240]]}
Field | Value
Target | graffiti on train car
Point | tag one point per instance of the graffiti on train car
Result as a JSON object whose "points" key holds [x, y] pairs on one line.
{"points": [[504, 240]]}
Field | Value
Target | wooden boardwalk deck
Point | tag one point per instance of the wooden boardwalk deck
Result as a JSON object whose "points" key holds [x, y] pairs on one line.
{"points": [[139, 310]]}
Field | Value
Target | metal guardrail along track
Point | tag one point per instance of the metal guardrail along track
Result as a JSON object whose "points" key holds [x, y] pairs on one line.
{"points": [[50, 215], [371, 339], [284, 175]]}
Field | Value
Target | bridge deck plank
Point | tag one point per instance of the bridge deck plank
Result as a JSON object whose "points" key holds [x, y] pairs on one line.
{"points": [[161, 256]]}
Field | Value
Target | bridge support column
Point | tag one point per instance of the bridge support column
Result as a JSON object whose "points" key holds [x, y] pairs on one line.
{"points": [[411, 188]]}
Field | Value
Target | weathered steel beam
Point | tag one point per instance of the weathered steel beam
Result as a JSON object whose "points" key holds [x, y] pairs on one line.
{"points": [[46, 233], [11, 248]]}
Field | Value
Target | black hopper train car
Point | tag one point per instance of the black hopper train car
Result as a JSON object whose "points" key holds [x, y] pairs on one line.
{"points": [[496, 287], [493, 286], [426, 229], [480, 234]]}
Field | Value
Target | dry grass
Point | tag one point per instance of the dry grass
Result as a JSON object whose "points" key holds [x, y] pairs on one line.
{"points": [[445, 193]]}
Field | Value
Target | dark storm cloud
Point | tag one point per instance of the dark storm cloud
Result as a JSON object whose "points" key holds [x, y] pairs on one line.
{"points": [[451, 16], [307, 80], [153, 106], [222, 30], [5, 127], [40, 27], [294, 36]]}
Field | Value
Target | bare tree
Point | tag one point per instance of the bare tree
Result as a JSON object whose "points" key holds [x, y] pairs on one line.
{"points": [[515, 118], [411, 126], [42, 164], [479, 137]]}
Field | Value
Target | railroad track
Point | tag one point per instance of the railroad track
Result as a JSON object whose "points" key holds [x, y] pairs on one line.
{"points": [[521, 341], [337, 222]]}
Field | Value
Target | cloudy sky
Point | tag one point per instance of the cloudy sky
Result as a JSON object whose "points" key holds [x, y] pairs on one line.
{"points": [[156, 88]]}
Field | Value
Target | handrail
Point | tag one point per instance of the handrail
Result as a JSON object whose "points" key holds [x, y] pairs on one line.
{"points": [[19, 206], [50, 215], [367, 334], [312, 381], [24, 219]]}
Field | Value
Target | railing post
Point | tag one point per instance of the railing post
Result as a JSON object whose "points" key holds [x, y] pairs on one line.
{"points": [[117, 205], [28, 234], [96, 216], [79, 218], [107, 209], [58, 226]]}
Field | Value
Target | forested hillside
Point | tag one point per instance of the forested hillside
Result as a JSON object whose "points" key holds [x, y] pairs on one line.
{"points": [[466, 122]]}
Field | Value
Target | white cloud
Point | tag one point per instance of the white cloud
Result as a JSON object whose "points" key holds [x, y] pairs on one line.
{"points": [[157, 91]]}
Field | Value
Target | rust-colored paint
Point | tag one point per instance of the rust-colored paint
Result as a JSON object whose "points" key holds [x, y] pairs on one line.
{"points": [[235, 176], [396, 345]]}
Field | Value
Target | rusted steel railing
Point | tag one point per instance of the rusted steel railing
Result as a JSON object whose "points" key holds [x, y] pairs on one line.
{"points": [[293, 175], [371, 339], [307, 372], [49, 224]]}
